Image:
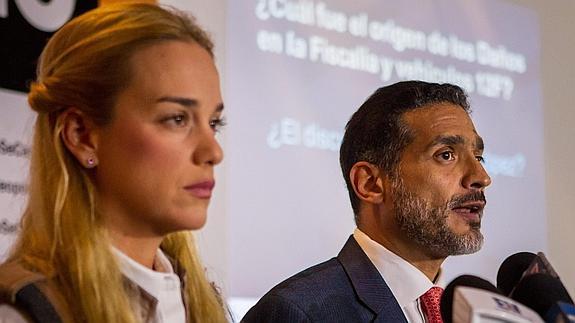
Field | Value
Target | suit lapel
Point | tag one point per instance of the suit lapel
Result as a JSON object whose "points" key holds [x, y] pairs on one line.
{"points": [[369, 286]]}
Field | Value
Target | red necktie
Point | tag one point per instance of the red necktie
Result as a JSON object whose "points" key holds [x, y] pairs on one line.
{"points": [[430, 304]]}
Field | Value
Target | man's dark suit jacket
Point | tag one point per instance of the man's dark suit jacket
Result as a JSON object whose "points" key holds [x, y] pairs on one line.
{"points": [[347, 288]]}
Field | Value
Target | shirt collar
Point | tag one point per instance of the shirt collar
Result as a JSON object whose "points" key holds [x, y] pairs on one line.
{"points": [[153, 282], [406, 282]]}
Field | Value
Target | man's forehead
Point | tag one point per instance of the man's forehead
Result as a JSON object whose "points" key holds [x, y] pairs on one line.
{"points": [[436, 111], [443, 123]]}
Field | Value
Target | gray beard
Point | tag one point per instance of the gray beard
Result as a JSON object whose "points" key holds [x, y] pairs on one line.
{"points": [[427, 225]]}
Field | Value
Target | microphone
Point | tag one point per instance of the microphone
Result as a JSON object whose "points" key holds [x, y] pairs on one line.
{"points": [[470, 299], [541, 265], [512, 269], [547, 296], [446, 302], [561, 313], [520, 265]]}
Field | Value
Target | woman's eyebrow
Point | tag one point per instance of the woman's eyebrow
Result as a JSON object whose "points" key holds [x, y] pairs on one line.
{"points": [[186, 102]]}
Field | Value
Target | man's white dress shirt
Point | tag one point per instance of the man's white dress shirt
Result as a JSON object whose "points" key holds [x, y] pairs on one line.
{"points": [[407, 283]]}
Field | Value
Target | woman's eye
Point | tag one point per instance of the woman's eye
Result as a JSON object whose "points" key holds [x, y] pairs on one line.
{"points": [[217, 124], [480, 159], [178, 120]]}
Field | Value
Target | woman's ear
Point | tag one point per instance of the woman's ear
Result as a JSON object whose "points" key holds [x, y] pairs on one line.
{"points": [[368, 182], [79, 136]]}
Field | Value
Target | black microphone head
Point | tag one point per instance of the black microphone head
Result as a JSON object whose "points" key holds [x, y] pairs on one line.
{"points": [[446, 303], [512, 269], [540, 292]]}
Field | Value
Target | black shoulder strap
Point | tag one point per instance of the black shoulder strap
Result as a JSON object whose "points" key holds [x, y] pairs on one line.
{"points": [[31, 300]]}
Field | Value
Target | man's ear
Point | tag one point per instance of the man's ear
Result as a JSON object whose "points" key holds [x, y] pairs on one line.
{"points": [[369, 183], [79, 136]]}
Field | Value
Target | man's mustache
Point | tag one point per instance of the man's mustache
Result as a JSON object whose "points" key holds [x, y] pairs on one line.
{"points": [[458, 200]]}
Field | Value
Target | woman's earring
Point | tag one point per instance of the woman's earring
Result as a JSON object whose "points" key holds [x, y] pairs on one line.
{"points": [[91, 162]]}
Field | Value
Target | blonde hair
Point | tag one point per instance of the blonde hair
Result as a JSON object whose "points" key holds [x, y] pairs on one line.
{"points": [[84, 65]]}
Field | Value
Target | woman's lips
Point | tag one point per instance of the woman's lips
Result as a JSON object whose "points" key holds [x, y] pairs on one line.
{"points": [[201, 190]]}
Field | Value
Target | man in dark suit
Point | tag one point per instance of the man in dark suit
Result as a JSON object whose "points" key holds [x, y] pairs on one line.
{"points": [[412, 162]]}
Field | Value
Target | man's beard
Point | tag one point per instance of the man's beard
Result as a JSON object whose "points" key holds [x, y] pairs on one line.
{"points": [[427, 225]]}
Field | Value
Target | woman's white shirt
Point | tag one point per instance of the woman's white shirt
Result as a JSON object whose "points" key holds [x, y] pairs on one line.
{"points": [[164, 286]]}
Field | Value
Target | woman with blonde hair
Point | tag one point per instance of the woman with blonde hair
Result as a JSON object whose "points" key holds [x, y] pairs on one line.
{"points": [[124, 149]]}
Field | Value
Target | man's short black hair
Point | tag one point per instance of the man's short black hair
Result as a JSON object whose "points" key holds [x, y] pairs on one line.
{"points": [[376, 132]]}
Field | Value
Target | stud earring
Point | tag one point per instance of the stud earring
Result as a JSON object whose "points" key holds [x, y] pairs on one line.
{"points": [[91, 162]]}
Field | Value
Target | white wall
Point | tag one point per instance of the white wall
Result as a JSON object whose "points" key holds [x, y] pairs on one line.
{"points": [[558, 85], [558, 81]]}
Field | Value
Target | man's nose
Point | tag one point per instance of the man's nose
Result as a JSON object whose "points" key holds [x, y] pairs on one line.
{"points": [[476, 176]]}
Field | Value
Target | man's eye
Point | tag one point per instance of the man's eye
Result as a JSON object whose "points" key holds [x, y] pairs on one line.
{"points": [[446, 155], [480, 159], [217, 124]]}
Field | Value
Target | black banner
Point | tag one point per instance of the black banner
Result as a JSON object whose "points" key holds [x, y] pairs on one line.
{"points": [[25, 27]]}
